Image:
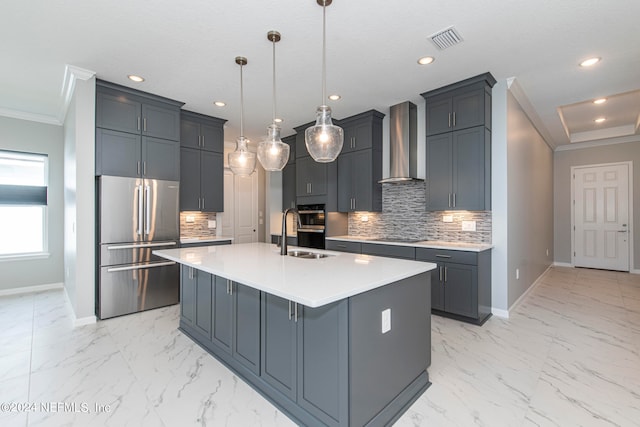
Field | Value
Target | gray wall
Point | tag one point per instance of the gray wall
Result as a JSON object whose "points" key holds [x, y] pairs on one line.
{"points": [[530, 201], [563, 161], [28, 136], [79, 200]]}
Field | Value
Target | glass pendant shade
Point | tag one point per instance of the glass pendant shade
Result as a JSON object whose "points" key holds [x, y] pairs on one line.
{"points": [[324, 140], [272, 152], [242, 161]]}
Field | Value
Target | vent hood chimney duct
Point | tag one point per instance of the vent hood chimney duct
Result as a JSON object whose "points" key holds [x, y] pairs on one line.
{"points": [[403, 144]]}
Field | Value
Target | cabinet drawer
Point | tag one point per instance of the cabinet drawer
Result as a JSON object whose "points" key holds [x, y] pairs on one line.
{"points": [[342, 246], [446, 255], [392, 251]]}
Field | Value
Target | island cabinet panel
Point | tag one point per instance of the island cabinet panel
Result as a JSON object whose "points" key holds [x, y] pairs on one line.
{"points": [[222, 314], [279, 345], [195, 297], [246, 326]]}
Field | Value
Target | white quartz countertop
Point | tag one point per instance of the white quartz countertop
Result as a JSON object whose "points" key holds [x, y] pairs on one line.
{"points": [[434, 244], [310, 282], [205, 239]]}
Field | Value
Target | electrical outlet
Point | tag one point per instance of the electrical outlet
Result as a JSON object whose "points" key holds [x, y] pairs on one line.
{"points": [[386, 320], [190, 218], [212, 223], [447, 218], [365, 218], [468, 226]]}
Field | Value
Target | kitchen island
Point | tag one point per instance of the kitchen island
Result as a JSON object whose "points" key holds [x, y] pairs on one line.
{"points": [[340, 340]]}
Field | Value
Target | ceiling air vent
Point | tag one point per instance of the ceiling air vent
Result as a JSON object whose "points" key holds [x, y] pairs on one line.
{"points": [[446, 38]]}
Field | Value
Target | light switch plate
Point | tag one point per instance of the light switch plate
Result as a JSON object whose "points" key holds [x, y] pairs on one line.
{"points": [[386, 320], [468, 226], [190, 218], [447, 218]]}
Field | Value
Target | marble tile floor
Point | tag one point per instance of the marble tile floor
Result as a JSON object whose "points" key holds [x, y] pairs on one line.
{"points": [[569, 355]]}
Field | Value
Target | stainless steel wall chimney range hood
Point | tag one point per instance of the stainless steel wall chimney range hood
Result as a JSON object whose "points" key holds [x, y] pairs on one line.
{"points": [[403, 144]]}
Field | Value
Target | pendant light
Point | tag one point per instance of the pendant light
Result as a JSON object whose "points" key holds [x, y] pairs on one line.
{"points": [[272, 152], [242, 161], [324, 140]]}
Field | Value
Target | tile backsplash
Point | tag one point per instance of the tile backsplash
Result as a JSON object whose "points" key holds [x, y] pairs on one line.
{"points": [[404, 216], [200, 225]]}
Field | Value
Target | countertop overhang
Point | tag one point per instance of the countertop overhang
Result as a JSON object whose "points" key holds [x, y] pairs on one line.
{"points": [[310, 282]]}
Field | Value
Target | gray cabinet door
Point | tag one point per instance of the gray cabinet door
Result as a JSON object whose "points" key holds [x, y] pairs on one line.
{"points": [[390, 251], [160, 159], [289, 186], [365, 184], [118, 153], [358, 135], [222, 314], [189, 133], [345, 182], [471, 169], [212, 137], [323, 362], [468, 106], [117, 113], [246, 329], [437, 291], [439, 114], [189, 179], [439, 174], [311, 177], [461, 289], [301, 146], [278, 345], [212, 181], [291, 142], [188, 295], [203, 302], [161, 122]]}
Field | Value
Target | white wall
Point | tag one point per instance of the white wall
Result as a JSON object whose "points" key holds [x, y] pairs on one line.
{"points": [[79, 200], [34, 137]]}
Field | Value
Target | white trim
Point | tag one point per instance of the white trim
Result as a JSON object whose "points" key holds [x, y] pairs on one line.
{"points": [[629, 165], [600, 143], [529, 290], [498, 312], [71, 74], [31, 289], [634, 271], [25, 257], [32, 117], [518, 93], [562, 264]]}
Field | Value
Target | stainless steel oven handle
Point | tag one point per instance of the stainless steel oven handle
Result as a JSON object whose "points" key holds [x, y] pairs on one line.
{"points": [[140, 245], [311, 212], [140, 267], [307, 230]]}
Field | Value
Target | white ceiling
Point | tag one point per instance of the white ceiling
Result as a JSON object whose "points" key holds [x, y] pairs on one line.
{"points": [[186, 51]]}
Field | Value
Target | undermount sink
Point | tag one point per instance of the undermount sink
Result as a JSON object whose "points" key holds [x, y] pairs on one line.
{"points": [[307, 255]]}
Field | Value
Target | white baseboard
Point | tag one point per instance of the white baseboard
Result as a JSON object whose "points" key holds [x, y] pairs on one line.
{"points": [[500, 313], [634, 271], [563, 264], [82, 321], [31, 289]]}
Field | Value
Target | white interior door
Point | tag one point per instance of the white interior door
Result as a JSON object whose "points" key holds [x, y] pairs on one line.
{"points": [[601, 217], [246, 208]]}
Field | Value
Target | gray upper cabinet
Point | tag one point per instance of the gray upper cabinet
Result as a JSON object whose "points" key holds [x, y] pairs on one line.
{"points": [[137, 134], [301, 146], [360, 163], [458, 146], [201, 163], [202, 132], [311, 177], [289, 175]]}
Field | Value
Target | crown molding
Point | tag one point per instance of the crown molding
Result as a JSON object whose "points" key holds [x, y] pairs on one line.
{"points": [[32, 117], [599, 143], [71, 74], [518, 93]]}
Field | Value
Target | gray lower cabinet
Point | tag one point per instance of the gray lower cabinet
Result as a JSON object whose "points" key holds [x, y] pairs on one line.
{"points": [[461, 285], [343, 246], [390, 251], [195, 297], [325, 366]]}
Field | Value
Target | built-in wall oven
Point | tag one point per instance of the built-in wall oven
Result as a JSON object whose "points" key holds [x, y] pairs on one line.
{"points": [[311, 233]]}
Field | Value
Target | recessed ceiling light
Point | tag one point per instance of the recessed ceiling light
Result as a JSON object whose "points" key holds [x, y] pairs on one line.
{"points": [[135, 78], [600, 120], [334, 97], [589, 62], [219, 104], [277, 120], [426, 60], [600, 101]]}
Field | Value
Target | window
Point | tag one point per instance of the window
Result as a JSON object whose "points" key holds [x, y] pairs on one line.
{"points": [[23, 203]]}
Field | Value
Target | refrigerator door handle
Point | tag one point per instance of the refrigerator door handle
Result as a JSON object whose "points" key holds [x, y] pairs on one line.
{"points": [[147, 195], [140, 210], [142, 245], [140, 267]]}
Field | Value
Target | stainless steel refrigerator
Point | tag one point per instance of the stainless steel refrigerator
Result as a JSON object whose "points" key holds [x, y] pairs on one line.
{"points": [[135, 217]]}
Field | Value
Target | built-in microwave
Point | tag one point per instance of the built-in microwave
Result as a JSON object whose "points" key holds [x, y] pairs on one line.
{"points": [[311, 233]]}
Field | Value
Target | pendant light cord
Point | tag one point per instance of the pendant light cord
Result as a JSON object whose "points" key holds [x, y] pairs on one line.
{"points": [[324, 52], [241, 104], [274, 80]]}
